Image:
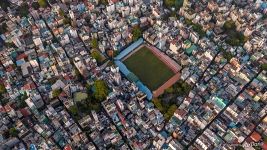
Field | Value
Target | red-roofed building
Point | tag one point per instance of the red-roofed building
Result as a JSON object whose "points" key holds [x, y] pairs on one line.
{"points": [[114, 1], [67, 147], [8, 108], [29, 86], [255, 136], [24, 112], [264, 146], [9, 69], [2, 109], [62, 94], [21, 56]]}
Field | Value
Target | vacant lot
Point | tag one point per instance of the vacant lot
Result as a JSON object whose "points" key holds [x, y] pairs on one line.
{"points": [[148, 68]]}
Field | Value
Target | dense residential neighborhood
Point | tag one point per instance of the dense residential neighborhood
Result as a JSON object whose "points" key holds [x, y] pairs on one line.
{"points": [[73, 74]]}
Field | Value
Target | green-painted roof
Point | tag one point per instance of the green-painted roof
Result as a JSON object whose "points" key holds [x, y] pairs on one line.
{"points": [[219, 102], [191, 49]]}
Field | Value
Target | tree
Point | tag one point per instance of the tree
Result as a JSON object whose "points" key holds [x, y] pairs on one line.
{"points": [[196, 27], [181, 88], [103, 2], [3, 28], [22, 98], [96, 55], [227, 55], [4, 4], [234, 38], [264, 67], [61, 12], [35, 5], [23, 10], [78, 74], [13, 132], [42, 3], [173, 3], [158, 105], [73, 110], [2, 89], [100, 90], [137, 33], [94, 43], [170, 112], [52, 1], [66, 20], [229, 25], [56, 92], [81, 105], [10, 45], [199, 29]]}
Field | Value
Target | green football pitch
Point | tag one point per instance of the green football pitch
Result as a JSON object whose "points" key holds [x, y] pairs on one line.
{"points": [[148, 68]]}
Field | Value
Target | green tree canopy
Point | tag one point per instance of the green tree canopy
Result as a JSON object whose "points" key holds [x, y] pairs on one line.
{"points": [[100, 90], [94, 43], [264, 67], [73, 110], [56, 92], [166, 109], [35, 5], [21, 101], [227, 55], [23, 10], [234, 38], [137, 33], [3, 28], [199, 29], [13, 132], [4, 4], [103, 2], [78, 74], [2, 89], [66, 21], [196, 27], [229, 25], [96, 55], [173, 3], [157, 103], [52, 1], [61, 12], [42, 3], [170, 112], [181, 88]]}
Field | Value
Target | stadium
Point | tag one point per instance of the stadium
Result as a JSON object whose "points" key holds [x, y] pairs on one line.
{"points": [[148, 68]]}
